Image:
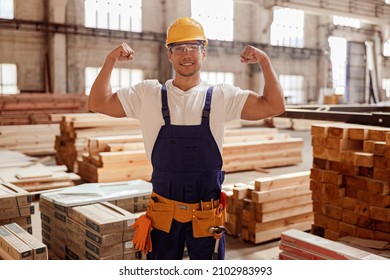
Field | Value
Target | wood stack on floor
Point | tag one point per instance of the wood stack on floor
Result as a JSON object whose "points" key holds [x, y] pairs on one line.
{"points": [[31, 175], [35, 108], [244, 149], [15, 206], [350, 181], [291, 123], [31, 139], [260, 211], [253, 148], [76, 128], [83, 222], [115, 158], [18, 244], [299, 245]]}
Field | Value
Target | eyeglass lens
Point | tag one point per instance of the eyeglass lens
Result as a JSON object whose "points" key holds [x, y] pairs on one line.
{"points": [[191, 48]]}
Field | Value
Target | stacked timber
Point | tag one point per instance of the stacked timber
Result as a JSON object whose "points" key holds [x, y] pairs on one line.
{"points": [[243, 152], [76, 128], [299, 245], [35, 108], [88, 222], [291, 123], [18, 244], [122, 157], [30, 174], [15, 206], [350, 181], [32, 139], [262, 210]]}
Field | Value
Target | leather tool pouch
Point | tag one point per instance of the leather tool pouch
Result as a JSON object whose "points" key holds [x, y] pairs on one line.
{"points": [[161, 215], [202, 220]]}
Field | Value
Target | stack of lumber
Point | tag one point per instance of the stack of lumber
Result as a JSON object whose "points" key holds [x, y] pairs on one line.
{"points": [[115, 158], [15, 206], [350, 181], [381, 248], [33, 139], [252, 148], [100, 231], [31, 175], [291, 123], [260, 211], [15, 159], [17, 244], [76, 128], [35, 108], [77, 223], [299, 245], [244, 149]]}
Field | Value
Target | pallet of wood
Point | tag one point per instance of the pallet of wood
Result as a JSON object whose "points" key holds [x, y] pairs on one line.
{"points": [[261, 210], [69, 235], [299, 245], [350, 181], [76, 128], [31, 174], [35, 108], [15, 206], [244, 149], [292, 123], [31, 139]]}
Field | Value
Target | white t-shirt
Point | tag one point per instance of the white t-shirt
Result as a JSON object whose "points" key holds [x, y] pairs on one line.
{"points": [[143, 102]]}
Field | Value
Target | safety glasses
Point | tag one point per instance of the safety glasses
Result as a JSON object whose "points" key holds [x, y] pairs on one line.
{"points": [[180, 49]]}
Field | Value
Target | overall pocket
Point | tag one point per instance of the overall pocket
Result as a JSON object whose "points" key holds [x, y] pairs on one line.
{"points": [[161, 215]]}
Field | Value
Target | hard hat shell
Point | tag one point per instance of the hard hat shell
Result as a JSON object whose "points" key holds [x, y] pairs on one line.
{"points": [[185, 29]]}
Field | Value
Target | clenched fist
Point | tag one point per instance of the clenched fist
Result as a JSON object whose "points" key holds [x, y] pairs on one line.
{"points": [[122, 53], [252, 55]]}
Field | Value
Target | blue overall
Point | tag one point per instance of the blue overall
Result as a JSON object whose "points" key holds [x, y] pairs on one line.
{"points": [[186, 167]]}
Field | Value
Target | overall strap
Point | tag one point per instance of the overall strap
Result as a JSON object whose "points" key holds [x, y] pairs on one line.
{"points": [[164, 108], [207, 107]]}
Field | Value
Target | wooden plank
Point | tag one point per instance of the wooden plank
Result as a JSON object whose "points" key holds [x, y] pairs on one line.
{"points": [[270, 195], [280, 181]]}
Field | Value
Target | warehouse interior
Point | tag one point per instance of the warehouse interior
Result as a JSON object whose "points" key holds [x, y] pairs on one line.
{"points": [[312, 183]]}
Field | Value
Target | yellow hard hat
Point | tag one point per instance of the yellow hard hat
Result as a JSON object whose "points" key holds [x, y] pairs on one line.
{"points": [[185, 29]]}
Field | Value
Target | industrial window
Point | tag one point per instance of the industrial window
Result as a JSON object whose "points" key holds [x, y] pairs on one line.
{"points": [[287, 28], [346, 21], [293, 88], [387, 2], [218, 77], [114, 14], [386, 48], [338, 58], [7, 9], [8, 79], [120, 78], [386, 87], [212, 15]]}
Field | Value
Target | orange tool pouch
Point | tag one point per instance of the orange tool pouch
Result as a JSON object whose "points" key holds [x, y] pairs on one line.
{"points": [[203, 214]]}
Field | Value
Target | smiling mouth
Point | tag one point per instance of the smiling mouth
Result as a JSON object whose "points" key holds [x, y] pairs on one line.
{"points": [[187, 64]]}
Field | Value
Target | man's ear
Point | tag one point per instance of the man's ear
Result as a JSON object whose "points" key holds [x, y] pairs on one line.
{"points": [[204, 54], [169, 54]]}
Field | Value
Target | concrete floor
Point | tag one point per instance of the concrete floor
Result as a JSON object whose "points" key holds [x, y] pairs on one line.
{"points": [[236, 248]]}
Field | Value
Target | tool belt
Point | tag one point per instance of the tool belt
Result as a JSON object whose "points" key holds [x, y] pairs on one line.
{"points": [[203, 215]]}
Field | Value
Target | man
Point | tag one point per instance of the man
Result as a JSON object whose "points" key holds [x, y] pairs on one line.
{"points": [[182, 124]]}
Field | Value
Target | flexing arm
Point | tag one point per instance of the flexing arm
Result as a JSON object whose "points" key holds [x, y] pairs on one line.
{"points": [[271, 103], [101, 98]]}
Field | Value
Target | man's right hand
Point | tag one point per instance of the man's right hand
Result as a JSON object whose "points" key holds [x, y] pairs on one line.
{"points": [[122, 53]]}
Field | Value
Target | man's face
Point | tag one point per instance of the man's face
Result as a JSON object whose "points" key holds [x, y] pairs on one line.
{"points": [[187, 57]]}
